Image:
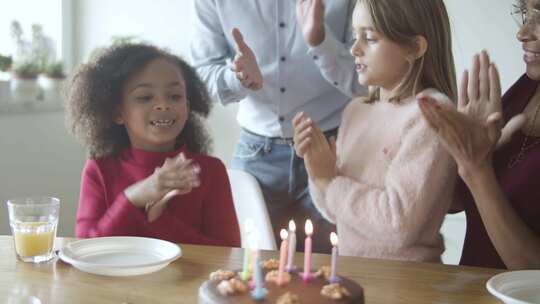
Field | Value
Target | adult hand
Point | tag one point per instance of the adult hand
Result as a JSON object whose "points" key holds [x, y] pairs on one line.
{"points": [[310, 16], [245, 64], [480, 96], [176, 176], [470, 141]]}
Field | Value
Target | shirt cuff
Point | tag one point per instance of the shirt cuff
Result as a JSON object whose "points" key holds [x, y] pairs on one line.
{"points": [[232, 90], [325, 54]]}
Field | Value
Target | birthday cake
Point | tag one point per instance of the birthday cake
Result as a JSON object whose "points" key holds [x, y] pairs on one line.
{"points": [[225, 286]]}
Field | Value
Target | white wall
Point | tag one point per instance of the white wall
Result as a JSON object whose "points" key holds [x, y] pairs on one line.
{"points": [[486, 24], [39, 157]]}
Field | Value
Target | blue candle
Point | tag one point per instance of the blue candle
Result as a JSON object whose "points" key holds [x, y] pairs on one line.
{"points": [[259, 293]]}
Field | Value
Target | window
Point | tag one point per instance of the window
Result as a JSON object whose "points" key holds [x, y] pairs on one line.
{"points": [[55, 16]]}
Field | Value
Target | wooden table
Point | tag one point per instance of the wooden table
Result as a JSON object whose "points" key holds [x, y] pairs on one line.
{"points": [[383, 281]]}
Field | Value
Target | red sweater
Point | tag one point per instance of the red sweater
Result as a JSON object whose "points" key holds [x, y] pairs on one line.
{"points": [[204, 216]]}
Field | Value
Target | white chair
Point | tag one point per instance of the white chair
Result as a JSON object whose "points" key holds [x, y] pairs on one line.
{"points": [[453, 231], [249, 203]]}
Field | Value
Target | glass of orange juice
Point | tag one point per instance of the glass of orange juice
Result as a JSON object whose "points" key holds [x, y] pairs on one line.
{"points": [[33, 222]]}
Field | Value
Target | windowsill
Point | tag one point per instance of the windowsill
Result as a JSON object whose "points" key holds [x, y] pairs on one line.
{"points": [[30, 107]]}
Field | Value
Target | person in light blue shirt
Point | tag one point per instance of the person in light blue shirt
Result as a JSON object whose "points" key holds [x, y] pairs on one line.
{"points": [[277, 58]]}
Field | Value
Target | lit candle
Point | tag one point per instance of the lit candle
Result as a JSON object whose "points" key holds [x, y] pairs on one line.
{"points": [[248, 228], [292, 246], [282, 255], [259, 293], [307, 276], [334, 241]]}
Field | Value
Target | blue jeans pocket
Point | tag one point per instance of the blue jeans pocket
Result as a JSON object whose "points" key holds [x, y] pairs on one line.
{"points": [[248, 149]]}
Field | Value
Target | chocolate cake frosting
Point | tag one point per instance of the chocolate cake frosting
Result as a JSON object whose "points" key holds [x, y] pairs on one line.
{"points": [[296, 289]]}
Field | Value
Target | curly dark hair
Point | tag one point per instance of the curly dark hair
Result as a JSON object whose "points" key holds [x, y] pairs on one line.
{"points": [[95, 95]]}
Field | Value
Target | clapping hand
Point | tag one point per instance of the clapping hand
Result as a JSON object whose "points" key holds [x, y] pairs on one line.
{"points": [[319, 153], [480, 97], [473, 131], [176, 176], [310, 16], [245, 64]]}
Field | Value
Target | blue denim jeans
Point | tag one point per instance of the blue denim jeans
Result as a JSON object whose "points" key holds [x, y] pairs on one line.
{"points": [[284, 182]]}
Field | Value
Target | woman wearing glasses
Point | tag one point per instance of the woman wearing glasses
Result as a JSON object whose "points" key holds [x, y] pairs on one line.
{"points": [[499, 167]]}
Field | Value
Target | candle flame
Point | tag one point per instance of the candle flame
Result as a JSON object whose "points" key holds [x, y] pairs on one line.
{"points": [[309, 227], [292, 226], [283, 233], [333, 239]]}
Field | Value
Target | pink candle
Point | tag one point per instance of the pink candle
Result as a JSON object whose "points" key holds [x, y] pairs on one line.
{"points": [[282, 255], [334, 241], [292, 246], [307, 253]]}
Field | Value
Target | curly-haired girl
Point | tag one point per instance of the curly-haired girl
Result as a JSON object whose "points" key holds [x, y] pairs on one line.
{"points": [[138, 110]]}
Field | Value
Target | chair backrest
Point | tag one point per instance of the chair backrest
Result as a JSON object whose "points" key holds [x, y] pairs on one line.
{"points": [[249, 203]]}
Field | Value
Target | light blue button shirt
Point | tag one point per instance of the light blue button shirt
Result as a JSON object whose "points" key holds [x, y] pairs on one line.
{"points": [[319, 81]]}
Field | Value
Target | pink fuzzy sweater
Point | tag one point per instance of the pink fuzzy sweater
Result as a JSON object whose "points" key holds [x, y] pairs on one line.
{"points": [[394, 185]]}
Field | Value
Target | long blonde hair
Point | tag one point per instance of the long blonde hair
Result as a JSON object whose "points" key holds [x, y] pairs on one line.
{"points": [[403, 20]]}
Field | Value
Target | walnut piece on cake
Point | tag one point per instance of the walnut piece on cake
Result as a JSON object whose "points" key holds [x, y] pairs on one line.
{"points": [[334, 291], [288, 298], [230, 287], [270, 264], [272, 276], [324, 271], [221, 274]]}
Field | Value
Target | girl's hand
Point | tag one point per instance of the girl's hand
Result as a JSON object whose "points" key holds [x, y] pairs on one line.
{"points": [[177, 174], [303, 127], [310, 16], [319, 154], [321, 159]]}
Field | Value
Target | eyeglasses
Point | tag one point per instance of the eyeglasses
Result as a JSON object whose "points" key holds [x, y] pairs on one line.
{"points": [[529, 17]]}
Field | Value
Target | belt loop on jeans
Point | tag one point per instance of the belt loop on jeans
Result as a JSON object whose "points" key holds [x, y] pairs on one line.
{"points": [[269, 141], [267, 144]]}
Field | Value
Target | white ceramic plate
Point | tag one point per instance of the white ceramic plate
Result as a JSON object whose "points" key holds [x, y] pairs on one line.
{"points": [[120, 256], [516, 287]]}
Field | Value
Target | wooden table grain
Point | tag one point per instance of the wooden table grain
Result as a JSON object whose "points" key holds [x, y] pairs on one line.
{"points": [[383, 281]]}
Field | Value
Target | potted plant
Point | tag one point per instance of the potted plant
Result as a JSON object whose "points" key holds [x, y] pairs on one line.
{"points": [[5, 63], [51, 81], [5, 66], [24, 87]]}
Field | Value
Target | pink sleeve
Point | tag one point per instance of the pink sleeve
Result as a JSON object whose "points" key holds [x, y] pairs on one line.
{"points": [[417, 187], [220, 226], [97, 217]]}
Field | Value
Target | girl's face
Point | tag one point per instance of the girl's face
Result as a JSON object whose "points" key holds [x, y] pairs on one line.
{"points": [[154, 107], [379, 61], [528, 35]]}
